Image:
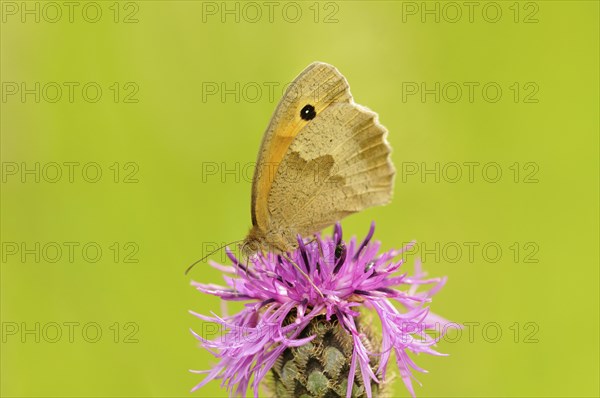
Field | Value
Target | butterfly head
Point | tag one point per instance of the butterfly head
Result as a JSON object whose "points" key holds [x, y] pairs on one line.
{"points": [[253, 243]]}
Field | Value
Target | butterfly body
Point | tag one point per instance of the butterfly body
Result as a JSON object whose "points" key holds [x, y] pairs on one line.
{"points": [[274, 241], [322, 158]]}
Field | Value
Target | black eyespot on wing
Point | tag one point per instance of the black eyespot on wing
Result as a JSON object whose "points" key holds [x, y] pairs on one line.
{"points": [[308, 112]]}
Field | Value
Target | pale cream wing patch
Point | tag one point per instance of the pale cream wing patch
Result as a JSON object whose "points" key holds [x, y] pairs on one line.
{"points": [[337, 165]]}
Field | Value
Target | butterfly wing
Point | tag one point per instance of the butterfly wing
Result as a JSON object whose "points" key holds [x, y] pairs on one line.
{"points": [[320, 85], [338, 164]]}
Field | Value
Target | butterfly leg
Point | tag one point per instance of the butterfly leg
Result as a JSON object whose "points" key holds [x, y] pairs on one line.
{"points": [[289, 259]]}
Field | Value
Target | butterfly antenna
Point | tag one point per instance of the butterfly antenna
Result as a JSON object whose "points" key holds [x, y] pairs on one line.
{"points": [[210, 254]]}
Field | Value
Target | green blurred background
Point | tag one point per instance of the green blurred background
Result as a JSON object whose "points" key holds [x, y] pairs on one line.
{"points": [[158, 133]]}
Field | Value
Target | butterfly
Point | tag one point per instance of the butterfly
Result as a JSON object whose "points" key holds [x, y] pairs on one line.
{"points": [[322, 158]]}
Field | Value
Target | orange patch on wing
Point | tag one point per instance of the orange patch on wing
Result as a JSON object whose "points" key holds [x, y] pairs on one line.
{"points": [[277, 150]]}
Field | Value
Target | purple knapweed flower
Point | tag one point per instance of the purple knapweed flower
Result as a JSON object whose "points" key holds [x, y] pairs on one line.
{"points": [[282, 303]]}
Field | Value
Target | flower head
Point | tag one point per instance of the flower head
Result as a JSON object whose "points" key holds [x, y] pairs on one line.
{"points": [[345, 276]]}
